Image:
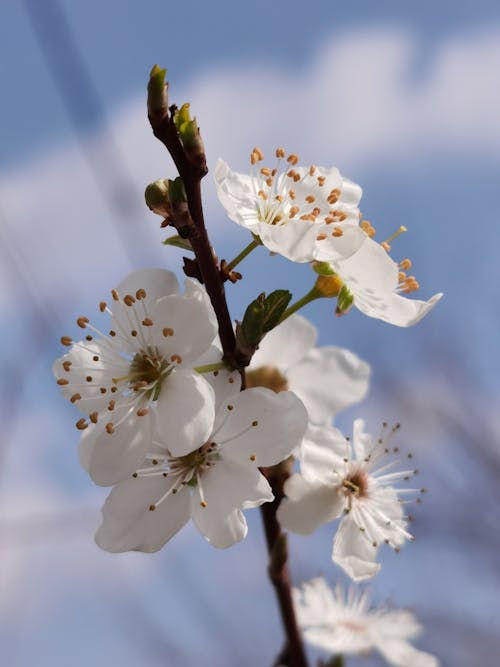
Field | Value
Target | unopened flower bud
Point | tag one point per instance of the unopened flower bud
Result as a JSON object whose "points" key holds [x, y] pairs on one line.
{"points": [[157, 93], [344, 301], [329, 285], [157, 197], [189, 134]]}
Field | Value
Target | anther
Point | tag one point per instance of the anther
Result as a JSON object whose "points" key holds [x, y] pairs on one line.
{"points": [[230, 407], [103, 390], [321, 180], [89, 378], [134, 474], [293, 211], [128, 300], [337, 231], [255, 423], [140, 294], [310, 199], [111, 405], [61, 382], [112, 333], [292, 159], [252, 457], [67, 365], [88, 337], [321, 237], [75, 398], [102, 306], [114, 294], [133, 333], [312, 170], [93, 417], [367, 228], [405, 264], [167, 331], [147, 322], [110, 428], [66, 340], [176, 358], [280, 152], [203, 503], [265, 171], [95, 358], [82, 322], [142, 412], [386, 246], [81, 424], [152, 508]]}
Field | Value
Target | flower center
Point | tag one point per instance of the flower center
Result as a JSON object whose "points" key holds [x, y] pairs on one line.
{"points": [[146, 368], [267, 376], [356, 485]]}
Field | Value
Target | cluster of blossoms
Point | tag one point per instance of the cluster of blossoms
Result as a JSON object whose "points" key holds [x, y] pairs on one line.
{"points": [[165, 422]]}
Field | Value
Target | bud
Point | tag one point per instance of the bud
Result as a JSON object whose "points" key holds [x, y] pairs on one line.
{"points": [[329, 285], [344, 301], [157, 197], [157, 93], [189, 134], [176, 191]]}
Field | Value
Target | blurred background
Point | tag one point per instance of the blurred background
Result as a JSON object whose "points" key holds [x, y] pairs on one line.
{"points": [[404, 99]]}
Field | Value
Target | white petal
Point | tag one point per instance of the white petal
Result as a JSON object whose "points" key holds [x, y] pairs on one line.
{"points": [[328, 380], [96, 360], [396, 309], [361, 440], [295, 240], [285, 345], [309, 505], [129, 525], [185, 411], [110, 458], [192, 321], [235, 193], [225, 383], [221, 530], [334, 248], [370, 270], [354, 552], [402, 654], [263, 425], [322, 453]]}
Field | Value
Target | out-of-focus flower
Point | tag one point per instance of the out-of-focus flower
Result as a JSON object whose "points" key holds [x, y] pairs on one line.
{"points": [[340, 478], [343, 623], [211, 484], [140, 373], [326, 379], [303, 213], [375, 284]]}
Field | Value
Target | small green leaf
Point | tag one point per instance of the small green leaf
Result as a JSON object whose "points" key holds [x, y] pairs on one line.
{"points": [[275, 305], [178, 242], [157, 92]]}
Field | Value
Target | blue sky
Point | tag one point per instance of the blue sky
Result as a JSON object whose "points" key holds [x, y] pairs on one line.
{"points": [[404, 100]]}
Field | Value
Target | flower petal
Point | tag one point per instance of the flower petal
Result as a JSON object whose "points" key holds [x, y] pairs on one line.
{"points": [[354, 552], [322, 453], [110, 458], [235, 193], [396, 309], [328, 380], [221, 530], [129, 525], [400, 653], [185, 411], [286, 344], [262, 425], [309, 504]]}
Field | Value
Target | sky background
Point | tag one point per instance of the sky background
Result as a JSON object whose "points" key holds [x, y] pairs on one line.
{"points": [[405, 100]]}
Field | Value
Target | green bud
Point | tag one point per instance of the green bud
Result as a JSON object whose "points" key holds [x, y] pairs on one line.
{"points": [[182, 117], [157, 197], [323, 268], [189, 134], [176, 191], [157, 92], [345, 300]]}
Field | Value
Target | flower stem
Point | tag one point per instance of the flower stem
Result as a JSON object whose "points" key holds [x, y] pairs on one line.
{"points": [[208, 368], [278, 570], [303, 301], [246, 251]]}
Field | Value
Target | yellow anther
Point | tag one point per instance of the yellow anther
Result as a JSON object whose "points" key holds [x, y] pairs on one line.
{"points": [[321, 237], [291, 173], [66, 365], [110, 428], [316, 211], [81, 424], [167, 331], [176, 358], [253, 457], [114, 294], [329, 219], [142, 412], [147, 322], [401, 277], [140, 294], [310, 199], [203, 503], [296, 178], [280, 152], [102, 306], [111, 405], [321, 180], [279, 198], [309, 217], [405, 264], [312, 170], [337, 231], [293, 211], [128, 300], [66, 340], [262, 194], [265, 171], [93, 417], [82, 322], [61, 382], [386, 246], [292, 159], [367, 228], [291, 194], [75, 398], [269, 181]]}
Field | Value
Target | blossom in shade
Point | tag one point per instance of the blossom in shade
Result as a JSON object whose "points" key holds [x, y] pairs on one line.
{"points": [[139, 376], [376, 285], [211, 484], [326, 379], [353, 480], [303, 213], [343, 623]]}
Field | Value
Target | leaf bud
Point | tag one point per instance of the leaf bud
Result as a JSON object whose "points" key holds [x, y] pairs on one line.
{"points": [[189, 134], [157, 197], [157, 93]]}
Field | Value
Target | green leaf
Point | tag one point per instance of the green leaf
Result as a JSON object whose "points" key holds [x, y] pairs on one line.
{"points": [[262, 315], [178, 242]]}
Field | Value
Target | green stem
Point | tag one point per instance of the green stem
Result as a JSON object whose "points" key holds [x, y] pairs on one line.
{"points": [[246, 251], [208, 368], [307, 298]]}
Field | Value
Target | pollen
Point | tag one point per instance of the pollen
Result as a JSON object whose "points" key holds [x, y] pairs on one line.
{"points": [[81, 424], [115, 296], [147, 322], [292, 159], [405, 264], [140, 294], [66, 340], [67, 365], [61, 382], [368, 228], [93, 417], [82, 322], [128, 300], [102, 306], [337, 231], [110, 428], [280, 153]]}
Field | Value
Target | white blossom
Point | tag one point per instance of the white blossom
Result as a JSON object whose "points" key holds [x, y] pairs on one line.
{"points": [[303, 213], [326, 379], [377, 285], [350, 480], [211, 484], [343, 623], [140, 373]]}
